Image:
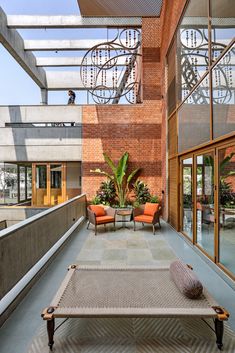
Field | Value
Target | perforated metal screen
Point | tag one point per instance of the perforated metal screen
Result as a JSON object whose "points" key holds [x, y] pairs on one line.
{"points": [[120, 7]]}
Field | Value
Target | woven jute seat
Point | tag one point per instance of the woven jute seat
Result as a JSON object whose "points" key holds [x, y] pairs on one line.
{"points": [[89, 291]]}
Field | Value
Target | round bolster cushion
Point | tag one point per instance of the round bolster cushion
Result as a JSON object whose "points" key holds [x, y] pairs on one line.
{"points": [[186, 280]]}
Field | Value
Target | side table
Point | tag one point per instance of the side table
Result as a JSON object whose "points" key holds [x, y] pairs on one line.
{"points": [[124, 214]]}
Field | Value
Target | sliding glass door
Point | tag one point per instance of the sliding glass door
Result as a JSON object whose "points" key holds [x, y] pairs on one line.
{"points": [[208, 203], [187, 196], [226, 200], [205, 213]]}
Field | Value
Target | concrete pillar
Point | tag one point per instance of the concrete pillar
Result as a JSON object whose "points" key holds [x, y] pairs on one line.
{"points": [[44, 96]]}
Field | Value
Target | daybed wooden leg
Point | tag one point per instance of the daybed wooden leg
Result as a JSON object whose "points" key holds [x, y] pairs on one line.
{"points": [[50, 332], [95, 229], [159, 224], [134, 226], [219, 330], [153, 230], [114, 226], [88, 223]]}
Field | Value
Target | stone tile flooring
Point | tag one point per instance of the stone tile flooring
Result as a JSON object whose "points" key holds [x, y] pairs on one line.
{"points": [[126, 247]]}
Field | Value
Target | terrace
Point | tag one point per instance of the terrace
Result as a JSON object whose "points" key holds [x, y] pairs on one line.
{"points": [[26, 330], [154, 81]]}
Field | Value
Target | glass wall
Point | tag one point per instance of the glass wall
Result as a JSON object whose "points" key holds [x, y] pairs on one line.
{"points": [[223, 82], [205, 215], [227, 207], [196, 46], [192, 47], [223, 25], [187, 191], [194, 118]]}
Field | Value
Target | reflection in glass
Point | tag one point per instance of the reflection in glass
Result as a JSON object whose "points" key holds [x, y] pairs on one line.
{"points": [[194, 118], [224, 94], [56, 184], [22, 183], [187, 185], [223, 25], [205, 202], [9, 184], [41, 185], [29, 181], [227, 207], [192, 47]]}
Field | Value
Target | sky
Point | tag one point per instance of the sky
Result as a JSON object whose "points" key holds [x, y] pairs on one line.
{"points": [[16, 87]]}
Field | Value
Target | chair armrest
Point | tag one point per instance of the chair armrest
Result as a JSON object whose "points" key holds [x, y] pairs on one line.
{"points": [[110, 212], [91, 216], [157, 215], [138, 211]]}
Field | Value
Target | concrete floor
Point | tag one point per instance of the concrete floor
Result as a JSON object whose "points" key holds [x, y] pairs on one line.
{"points": [[120, 247]]}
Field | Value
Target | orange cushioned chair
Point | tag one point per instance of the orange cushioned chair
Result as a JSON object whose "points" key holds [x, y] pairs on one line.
{"points": [[148, 213], [98, 215]]}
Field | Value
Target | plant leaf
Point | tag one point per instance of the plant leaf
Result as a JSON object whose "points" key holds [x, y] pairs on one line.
{"points": [[99, 171], [121, 168], [132, 175], [110, 163]]}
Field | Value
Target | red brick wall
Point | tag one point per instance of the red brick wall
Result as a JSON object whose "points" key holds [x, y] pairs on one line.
{"points": [[136, 129]]}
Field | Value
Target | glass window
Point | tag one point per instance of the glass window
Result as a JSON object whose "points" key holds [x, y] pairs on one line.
{"points": [[29, 182], [187, 190], [10, 184], [41, 197], [227, 207], [205, 202], [22, 183], [194, 118], [2, 184], [224, 94], [56, 184], [223, 25], [192, 47]]}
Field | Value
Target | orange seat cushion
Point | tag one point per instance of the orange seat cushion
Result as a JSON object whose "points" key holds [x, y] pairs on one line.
{"points": [[150, 208], [98, 210], [144, 218], [104, 219]]}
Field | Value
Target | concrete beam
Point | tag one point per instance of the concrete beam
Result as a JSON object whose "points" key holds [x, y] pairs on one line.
{"points": [[69, 61], [64, 80], [25, 21], [14, 43], [65, 44]]}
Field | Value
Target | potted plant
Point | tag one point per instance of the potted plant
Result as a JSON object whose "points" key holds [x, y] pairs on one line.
{"points": [[119, 177]]}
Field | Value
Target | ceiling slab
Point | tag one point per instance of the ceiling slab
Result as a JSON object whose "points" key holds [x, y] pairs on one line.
{"points": [[122, 8]]}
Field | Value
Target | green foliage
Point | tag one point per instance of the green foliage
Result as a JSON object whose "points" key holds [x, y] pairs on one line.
{"points": [[96, 200], [142, 193], [121, 181], [154, 199], [107, 192]]}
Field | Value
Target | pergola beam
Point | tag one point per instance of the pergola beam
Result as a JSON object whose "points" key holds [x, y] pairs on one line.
{"points": [[68, 61], [64, 44], [28, 21], [14, 43], [64, 80]]}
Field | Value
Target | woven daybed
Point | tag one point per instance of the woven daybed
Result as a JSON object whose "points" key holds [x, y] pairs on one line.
{"points": [[89, 291]]}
